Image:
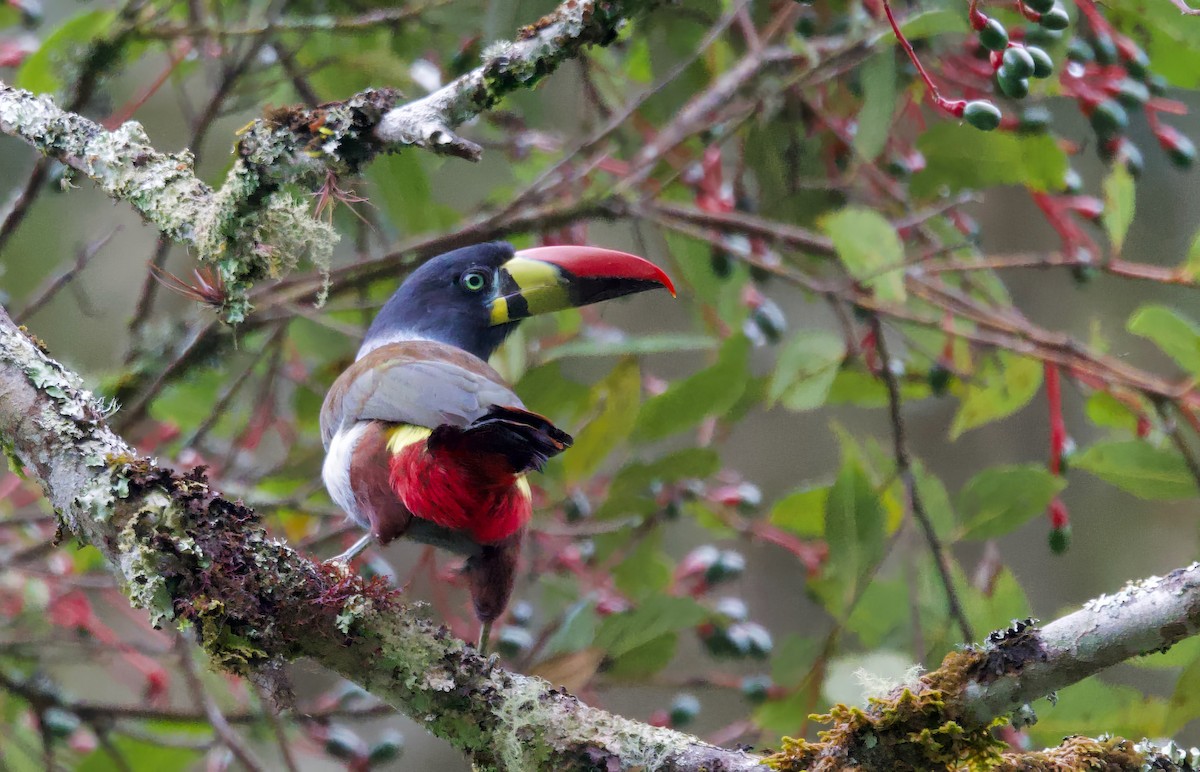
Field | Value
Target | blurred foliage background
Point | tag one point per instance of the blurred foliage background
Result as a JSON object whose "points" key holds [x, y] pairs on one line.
{"points": [[729, 542]]}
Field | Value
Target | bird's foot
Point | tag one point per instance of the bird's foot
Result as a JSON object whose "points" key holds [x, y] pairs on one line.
{"points": [[349, 555]]}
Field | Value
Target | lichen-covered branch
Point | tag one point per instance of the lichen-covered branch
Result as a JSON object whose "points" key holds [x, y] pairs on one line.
{"points": [[508, 66], [192, 558], [943, 719], [1147, 616], [245, 241], [251, 227]]}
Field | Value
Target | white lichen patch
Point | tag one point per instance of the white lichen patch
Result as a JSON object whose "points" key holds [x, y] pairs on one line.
{"points": [[439, 681], [355, 607]]}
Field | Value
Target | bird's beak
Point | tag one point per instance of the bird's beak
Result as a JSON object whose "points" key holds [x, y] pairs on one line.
{"points": [[545, 279]]}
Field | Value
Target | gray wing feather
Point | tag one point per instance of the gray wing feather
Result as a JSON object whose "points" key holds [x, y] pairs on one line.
{"points": [[421, 393]]}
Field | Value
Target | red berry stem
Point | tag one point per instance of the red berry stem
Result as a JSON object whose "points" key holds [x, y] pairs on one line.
{"points": [[956, 106], [1058, 427]]}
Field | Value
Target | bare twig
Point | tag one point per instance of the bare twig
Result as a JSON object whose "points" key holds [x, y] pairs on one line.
{"points": [[216, 718], [82, 257], [904, 470]]}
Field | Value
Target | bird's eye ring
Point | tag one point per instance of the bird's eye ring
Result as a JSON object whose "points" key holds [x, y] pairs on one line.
{"points": [[473, 281]]}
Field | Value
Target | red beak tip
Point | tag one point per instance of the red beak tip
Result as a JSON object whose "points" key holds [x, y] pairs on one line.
{"points": [[597, 261]]}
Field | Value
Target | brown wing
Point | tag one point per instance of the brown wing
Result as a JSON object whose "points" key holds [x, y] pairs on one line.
{"points": [[423, 383]]}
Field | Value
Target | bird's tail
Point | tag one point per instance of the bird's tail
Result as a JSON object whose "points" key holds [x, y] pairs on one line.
{"points": [[525, 440]]}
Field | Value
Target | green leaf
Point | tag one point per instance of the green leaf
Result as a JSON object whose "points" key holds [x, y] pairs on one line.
{"points": [[878, 78], [868, 246], [1000, 499], [620, 393], [1191, 264], [1119, 202], [1002, 386], [806, 369], [646, 659], [709, 392], [401, 186], [1185, 702], [793, 658], [1171, 331], [930, 22], [656, 616], [1093, 706], [187, 403], [645, 571], [1139, 468], [802, 512], [1103, 409], [631, 345], [935, 498], [882, 610], [140, 755], [960, 157], [545, 390], [39, 71], [854, 525], [577, 631]]}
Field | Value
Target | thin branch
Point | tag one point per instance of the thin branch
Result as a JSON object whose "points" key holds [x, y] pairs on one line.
{"points": [[229, 738], [904, 470], [82, 258]]}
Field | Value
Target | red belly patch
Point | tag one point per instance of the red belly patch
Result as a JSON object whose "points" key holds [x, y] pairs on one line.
{"points": [[455, 490]]}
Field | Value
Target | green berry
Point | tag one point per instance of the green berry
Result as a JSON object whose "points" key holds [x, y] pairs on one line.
{"points": [[1060, 540], [1132, 94], [1018, 62], [1083, 274], [342, 743], [1105, 48], [1109, 119], [993, 36], [684, 709], [722, 262], [389, 748], [521, 613], [1055, 19], [770, 321], [982, 114], [1079, 50], [513, 640], [1034, 120], [1130, 155], [733, 609], [1043, 65], [59, 723], [1137, 63], [1011, 85], [756, 688], [1040, 6], [729, 565], [939, 378], [758, 639], [1072, 182], [1036, 34], [1181, 151], [577, 507]]}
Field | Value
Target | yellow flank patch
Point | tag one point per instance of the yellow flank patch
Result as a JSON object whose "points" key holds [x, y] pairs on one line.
{"points": [[540, 283], [404, 435], [523, 487]]}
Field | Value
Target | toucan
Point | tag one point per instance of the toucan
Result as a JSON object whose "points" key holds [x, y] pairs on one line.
{"points": [[423, 439]]}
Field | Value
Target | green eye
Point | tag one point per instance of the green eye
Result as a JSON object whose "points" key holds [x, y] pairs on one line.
{"points": [[473, 281]]}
